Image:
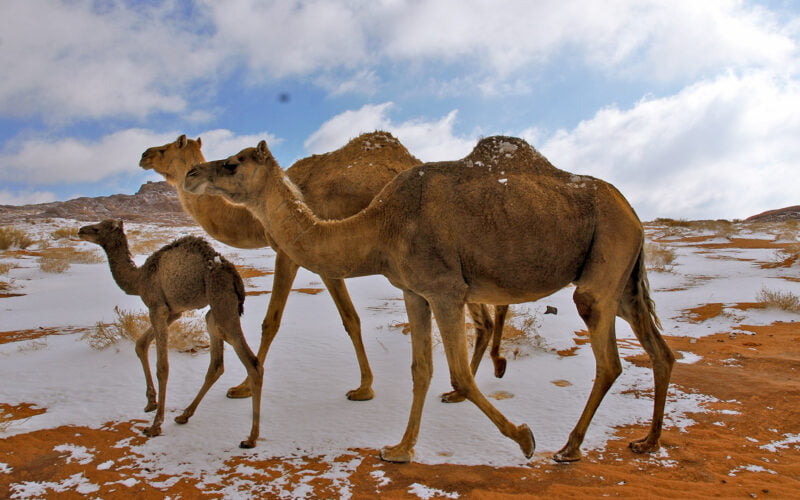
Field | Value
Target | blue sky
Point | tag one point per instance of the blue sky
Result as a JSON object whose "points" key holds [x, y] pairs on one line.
{"points": [[692, 109]]}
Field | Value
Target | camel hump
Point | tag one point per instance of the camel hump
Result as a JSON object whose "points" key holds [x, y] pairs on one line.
{"points": [[507, 152]]}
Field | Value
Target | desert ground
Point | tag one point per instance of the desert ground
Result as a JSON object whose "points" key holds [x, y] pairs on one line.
{"points": [[72, 390]]}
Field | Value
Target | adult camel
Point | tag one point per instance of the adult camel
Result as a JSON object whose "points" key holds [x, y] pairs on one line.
{"points": [[500, 226], [335, 185]]}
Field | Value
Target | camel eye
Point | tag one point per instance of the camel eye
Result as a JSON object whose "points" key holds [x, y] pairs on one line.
{"points": [[230, 167]]}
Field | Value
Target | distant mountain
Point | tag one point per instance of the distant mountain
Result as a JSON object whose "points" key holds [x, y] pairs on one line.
{"points": [[154, 202], [778, 215]]}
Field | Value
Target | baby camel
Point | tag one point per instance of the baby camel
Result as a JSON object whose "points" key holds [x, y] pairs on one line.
{"points": [[185, 275], [500, 226]]}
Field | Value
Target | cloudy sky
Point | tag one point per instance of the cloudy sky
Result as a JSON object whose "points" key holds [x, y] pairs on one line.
{"points": [[691, 108]]}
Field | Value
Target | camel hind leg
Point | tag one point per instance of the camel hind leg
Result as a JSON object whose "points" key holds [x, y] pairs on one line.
{"points": [[499, 361], [215, 368], [143, 353], [285, 272], [637, 309]]}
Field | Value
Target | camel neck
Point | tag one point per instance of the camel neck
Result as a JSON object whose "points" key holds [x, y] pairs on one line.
{"points": [[335, 249], [123, 269]]}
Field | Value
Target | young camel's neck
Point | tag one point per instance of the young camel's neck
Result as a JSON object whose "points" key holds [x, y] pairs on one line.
{"points": [[124, 271], [335, 249], [231, 224]]}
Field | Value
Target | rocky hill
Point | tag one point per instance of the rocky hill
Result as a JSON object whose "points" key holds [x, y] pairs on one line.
{"points": [[778, 215], [154, 202]]}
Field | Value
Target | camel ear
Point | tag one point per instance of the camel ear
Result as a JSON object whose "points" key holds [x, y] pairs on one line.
{"points": [[182, 141], [199, 141], [262, 149], [118, 224]]}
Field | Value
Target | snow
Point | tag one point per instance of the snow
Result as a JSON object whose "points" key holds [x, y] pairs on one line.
{"points": [[311, 365]]}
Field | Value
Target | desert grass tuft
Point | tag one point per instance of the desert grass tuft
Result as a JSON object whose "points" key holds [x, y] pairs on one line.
{"points": [[64, 233], [659, 258], [188, 334], [59, 259], [778, 299], [5, 267], [12, 237]]}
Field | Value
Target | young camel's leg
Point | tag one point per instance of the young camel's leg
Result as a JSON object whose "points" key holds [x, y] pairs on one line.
{"points": [[419, 318], [499, 361], [216, 367], [142, 352], [483, 326], [255, 373], [635, 309], [159, 319], [352, 324], [598, 309], [449, 316], [285, 272]]}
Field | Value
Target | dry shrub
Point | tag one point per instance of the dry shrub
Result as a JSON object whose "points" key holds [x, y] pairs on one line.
{"points": [[659, 258], [188, 334], [12, 237], [5, 267], [663, 221], [785, 301], [65, 232], [6, 419], [521, 334], [59, 259], [786, 257]]}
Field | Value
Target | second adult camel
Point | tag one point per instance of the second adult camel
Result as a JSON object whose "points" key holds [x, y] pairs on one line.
{"points": [[500, 226], [335, 185]]}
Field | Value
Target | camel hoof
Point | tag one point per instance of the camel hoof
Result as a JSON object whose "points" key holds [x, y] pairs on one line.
{"points": [[644, 446], [150, 407], [396, 454], [152, 431], [499, 367], [181, 419], [565, 456], [525, 440], [452, 397], [360, 394], [247, 444], [239, 392]]}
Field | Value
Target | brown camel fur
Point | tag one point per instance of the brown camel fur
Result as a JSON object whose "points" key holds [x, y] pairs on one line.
{"points": [[504, 227], [185, 275], [335, 185]]}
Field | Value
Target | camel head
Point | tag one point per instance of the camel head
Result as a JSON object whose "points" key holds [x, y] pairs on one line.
{"points": [[239, 178], [102, 232], [174, 159]]}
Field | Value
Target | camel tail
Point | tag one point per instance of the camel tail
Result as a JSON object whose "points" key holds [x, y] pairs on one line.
{"points": [[639, 295]]}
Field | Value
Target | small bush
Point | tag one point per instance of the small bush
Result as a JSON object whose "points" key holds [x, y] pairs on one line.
{"points": [[11, 237], [785, 301], [659, 257], [188, 334], [5, 267], [65, 232], [59, 259]]}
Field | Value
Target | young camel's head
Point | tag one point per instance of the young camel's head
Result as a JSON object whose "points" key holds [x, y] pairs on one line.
{"points": [[102, 232], [174, 159], [239, 178]]}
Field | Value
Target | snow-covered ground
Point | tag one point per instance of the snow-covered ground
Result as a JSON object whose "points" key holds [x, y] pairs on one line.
{"points": [[312, 364]]}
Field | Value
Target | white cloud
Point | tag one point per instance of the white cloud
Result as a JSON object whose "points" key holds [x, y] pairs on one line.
{"points": [[721, 148], [25, 197], [427, 140], [70, 60], [43, 161]]}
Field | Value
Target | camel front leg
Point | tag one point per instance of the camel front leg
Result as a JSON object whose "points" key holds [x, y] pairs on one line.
{"points": [[449, 316], [216, 367], [159, 321], [352, 325], [483, 325], [142, 352], [285, 272], [419, 318]]}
